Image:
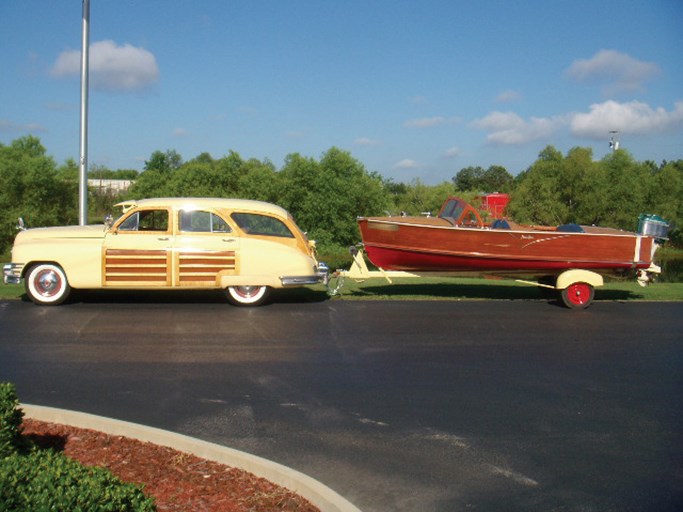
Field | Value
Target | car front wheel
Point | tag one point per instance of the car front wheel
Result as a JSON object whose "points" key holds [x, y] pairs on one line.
{"points": [[247, 295], [46, 284]]}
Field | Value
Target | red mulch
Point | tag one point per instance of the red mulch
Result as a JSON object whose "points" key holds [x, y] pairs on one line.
{"points": [[179, 482]]}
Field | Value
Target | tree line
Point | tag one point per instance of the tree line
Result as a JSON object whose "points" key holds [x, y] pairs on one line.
{"points": [[326, 195]]}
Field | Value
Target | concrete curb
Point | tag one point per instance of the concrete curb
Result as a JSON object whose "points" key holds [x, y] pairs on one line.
{"points": [[321, 496]]}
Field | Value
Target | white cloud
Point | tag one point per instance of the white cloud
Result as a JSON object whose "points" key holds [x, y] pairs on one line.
{"points": [[407, 163], [429, 122], [179, 132], [452, 152], [631, 117], [12, 127], [615, 71], [112, 67], [508, 128], [366, 141], [634, 117]]}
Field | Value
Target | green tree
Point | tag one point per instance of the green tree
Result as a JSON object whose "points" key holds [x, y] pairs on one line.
{"points": [[197, 179], [326, 197], [666, 197], [580, 182], [418, 198], [231, 168], [537, 198], [154, 180], [202, 158], [32, 188], [494, 179], [626, 190], [469, 178], [612, 192], [164, 162], [260, 181]]}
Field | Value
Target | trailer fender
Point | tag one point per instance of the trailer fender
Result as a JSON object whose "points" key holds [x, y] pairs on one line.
{"points": [[569, 277]]}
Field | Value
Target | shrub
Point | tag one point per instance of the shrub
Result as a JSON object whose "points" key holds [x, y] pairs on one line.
{"points": [[35, 479], [47, 480], [10, 420]]}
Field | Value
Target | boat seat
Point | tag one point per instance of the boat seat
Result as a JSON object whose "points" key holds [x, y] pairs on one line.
{"points": [[570, 228], [500, 224]]}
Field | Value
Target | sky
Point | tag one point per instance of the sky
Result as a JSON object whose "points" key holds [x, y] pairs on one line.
{"points": [[412, 89]]}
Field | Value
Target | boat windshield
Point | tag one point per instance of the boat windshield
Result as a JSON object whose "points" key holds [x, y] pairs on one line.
{"points": [[452, 209]]}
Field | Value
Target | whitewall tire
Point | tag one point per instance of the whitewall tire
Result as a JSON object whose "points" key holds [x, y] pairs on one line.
{"points": [[46, 284], [247, 295]]}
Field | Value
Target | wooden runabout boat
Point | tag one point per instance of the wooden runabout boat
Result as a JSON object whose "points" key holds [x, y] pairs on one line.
{"points": [[457, 240]]}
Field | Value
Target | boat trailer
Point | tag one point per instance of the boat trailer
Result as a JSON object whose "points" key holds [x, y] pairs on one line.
{"points": [[576, 286]]}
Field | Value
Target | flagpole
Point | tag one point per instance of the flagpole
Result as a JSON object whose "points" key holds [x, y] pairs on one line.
{"points": [[83, 166]]}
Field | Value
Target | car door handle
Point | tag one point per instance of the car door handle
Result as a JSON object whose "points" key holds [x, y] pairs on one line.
{"points": [[163, 238], [228, 239]]}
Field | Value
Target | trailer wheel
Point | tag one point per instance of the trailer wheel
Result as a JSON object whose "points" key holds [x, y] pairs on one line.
{"points": [[578, 295]]}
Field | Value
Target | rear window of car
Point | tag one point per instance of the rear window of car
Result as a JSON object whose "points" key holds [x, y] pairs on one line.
{"points": [[255, 224]]}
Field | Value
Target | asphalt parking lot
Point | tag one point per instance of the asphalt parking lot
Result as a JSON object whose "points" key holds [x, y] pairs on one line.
{"points": [[401, 406]]}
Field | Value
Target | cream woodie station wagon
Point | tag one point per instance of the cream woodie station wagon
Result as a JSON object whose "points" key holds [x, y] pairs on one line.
{"points": [[245, 247]]}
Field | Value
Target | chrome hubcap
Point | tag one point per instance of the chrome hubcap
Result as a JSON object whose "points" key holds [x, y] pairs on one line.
{"points": [[247, 291], [47, 283]]}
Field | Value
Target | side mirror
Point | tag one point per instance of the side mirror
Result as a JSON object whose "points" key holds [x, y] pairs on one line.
{"points": [[21, 225], [108, 221]]}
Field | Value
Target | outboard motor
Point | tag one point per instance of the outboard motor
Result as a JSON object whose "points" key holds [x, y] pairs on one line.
{"points": [[653, 225]]}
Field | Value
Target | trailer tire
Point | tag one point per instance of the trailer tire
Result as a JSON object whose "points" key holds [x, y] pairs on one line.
{"points": [[578, 295]]}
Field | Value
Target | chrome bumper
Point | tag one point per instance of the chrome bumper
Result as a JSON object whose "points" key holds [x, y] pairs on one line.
{"points": [[323, 276], [11, 273]]}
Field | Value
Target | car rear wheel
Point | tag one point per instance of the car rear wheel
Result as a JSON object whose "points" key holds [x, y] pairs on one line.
{"points": [[46, 284], [247, 295], [578, 295]]}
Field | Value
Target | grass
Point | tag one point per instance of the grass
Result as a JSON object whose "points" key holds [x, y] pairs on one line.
{"points": [[11, 291], [444, 289], [489, 289]]}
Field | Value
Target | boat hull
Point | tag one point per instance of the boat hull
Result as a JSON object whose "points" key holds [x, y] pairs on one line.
{"points": [[433, 245]]}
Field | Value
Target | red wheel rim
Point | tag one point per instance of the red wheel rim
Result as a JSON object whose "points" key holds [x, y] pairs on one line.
{"points": [[579, 293]]}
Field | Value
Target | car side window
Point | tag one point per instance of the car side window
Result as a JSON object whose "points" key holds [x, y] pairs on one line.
{"points": [[146, 220], [256, 224], [198, 221]]}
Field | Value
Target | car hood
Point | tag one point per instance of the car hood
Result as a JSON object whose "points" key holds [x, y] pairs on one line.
{"points": [[63, 232]]}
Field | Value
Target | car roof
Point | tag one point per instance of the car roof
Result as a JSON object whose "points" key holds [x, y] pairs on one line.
{"points": [[207, 202]]}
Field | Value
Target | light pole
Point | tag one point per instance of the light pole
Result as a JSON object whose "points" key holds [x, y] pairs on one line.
{"points": [[614, 140], [83, 165]]}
